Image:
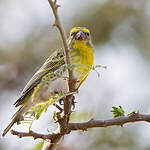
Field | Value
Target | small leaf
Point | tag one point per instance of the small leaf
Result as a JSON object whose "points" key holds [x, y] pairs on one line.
{"points": [[98, 66], [132, 113], [118, 111], [39, 113]]}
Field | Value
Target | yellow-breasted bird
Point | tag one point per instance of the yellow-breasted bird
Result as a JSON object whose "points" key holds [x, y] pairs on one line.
{"points": [[42, 86]]}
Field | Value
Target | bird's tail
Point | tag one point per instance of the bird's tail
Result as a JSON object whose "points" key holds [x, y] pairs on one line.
{"points": [[15, 119], [8, 127]]}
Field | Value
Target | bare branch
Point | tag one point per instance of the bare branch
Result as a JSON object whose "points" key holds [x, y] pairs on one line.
{"points": [[71, 82], [58, 24], [120, 121], [35, 135], [63, 122]]}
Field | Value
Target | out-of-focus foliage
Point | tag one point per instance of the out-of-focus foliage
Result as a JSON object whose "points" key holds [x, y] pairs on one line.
{"points": [[114, 139], [79, 117], [38, 146]]}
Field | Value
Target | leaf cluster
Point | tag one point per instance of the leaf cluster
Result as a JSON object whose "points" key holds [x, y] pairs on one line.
{"points": [[118, 111]]}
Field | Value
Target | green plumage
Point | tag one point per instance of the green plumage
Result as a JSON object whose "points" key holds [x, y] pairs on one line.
{"points": [[55, 61]]}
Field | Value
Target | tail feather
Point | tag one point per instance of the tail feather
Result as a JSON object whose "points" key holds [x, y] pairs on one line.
{"points": [[9, 127], [15, 119]]}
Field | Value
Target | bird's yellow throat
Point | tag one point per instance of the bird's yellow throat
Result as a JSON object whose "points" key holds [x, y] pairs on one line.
{"points": [[82, 57]]}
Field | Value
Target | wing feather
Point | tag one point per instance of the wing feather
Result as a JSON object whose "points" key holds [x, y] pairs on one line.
{"points": [[52, 64]]}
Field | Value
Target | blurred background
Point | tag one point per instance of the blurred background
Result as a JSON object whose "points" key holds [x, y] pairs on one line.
{"points": [[120, 32]]}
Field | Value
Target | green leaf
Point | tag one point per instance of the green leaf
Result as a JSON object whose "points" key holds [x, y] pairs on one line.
{"points": [[133, 112], [98, 66], [39, 112], [118, 111]]}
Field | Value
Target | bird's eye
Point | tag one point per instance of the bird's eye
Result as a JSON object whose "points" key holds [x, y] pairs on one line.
{"points": [[73, 33]]}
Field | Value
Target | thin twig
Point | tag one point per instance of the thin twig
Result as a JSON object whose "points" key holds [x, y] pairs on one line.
{"points": [[71, 83], [34, 135], [63, 122]]}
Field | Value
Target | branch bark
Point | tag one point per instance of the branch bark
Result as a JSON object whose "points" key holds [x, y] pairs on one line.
{"points": [[63, 122], [71, 82], [119, 121]]}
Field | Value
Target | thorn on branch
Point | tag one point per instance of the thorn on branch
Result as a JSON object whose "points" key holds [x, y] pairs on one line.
{"points": [[54, 25], [57, 6], [122, 125], [91, 119], [84, 129], [105, 125], [16, 133]]}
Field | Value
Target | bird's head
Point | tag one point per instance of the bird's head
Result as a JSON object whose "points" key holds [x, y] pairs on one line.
{"points": [[80, 34]]}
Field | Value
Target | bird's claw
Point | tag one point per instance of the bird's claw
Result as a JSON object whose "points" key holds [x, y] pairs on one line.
{"points": [[61, 101], [73, 102]]}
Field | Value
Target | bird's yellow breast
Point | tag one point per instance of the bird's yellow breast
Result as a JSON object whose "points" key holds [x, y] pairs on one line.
{"points": [[82, 59]]}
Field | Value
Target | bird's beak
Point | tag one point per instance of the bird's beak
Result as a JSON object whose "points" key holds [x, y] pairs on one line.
{"points": [[80, 36]]}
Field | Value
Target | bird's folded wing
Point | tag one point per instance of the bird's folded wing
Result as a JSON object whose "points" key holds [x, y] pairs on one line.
{"points": [[52, 64]]}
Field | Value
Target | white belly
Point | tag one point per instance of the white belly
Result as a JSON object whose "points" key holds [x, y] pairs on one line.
{"points": [[54, 87]]}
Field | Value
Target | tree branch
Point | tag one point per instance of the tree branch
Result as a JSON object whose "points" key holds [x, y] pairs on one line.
{"points": [[33, 134], [119, 121], [71, 82], [53, 138], [63, 122]]}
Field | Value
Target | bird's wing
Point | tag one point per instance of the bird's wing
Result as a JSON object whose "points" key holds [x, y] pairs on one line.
{"points": [[52, 64]]}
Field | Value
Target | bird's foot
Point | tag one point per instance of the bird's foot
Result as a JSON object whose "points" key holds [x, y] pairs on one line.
{"points": [[73, 102], [61, 101]]}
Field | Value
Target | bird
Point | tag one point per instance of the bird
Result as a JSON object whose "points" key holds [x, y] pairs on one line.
{"points": [[43, 82]]}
